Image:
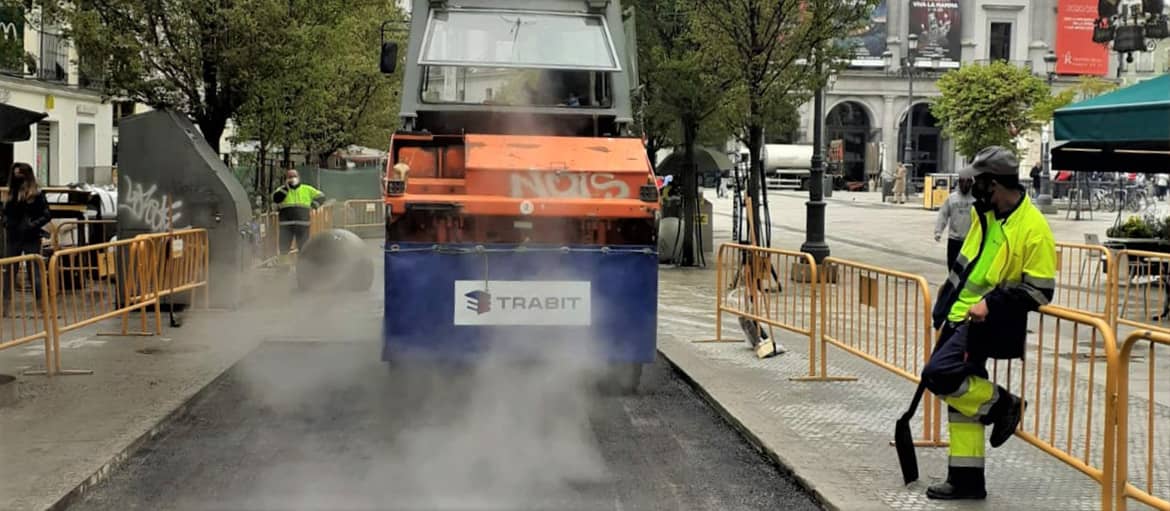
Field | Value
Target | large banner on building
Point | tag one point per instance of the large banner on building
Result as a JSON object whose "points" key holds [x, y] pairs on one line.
{"points": [[936, 23], [1076, 53], [868, 42]]}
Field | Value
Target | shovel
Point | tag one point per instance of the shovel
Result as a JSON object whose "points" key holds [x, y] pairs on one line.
{"points": [[903, 439]]}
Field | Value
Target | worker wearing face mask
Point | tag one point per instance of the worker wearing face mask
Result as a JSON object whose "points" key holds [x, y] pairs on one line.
{"points": [[1005, 269], [955, 213], [296, 201]]}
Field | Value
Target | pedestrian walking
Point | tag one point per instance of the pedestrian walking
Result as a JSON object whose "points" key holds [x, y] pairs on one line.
{"points": [[1005, 269], [295, 201], [1160, 185], [26, 213], [1035, 175], [955, 217], [900, 184]]}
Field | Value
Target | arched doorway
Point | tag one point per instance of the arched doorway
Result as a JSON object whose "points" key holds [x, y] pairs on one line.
{"points": [[925, 141], [849, 123]]}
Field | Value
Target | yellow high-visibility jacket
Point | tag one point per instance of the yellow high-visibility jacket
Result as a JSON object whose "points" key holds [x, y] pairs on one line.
{"points": [[1021, 278]]}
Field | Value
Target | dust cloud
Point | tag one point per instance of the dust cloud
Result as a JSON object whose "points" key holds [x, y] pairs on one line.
{"points": [[509, 429]]}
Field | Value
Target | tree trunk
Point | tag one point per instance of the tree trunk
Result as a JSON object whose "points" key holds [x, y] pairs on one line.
{"points": [[286, 157], [755, 173], [258, 180], [690, 192], [212, 128]]}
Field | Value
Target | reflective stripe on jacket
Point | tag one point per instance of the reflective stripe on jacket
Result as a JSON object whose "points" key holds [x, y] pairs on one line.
{"points": [[295, 203], [1020, 279]]}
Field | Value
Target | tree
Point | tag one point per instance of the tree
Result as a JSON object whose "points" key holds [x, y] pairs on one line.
{"points": [[190, 55], [778, 51], [685, 92], [321, 87], [984, 105]]}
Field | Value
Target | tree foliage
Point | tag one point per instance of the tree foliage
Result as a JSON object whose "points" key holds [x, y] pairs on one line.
{"points": [[190, 55], [290, 72], [780, 52], [982, 105]]}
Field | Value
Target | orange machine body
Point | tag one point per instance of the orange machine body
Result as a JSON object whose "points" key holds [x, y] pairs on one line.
{"points": [[520, 189]]}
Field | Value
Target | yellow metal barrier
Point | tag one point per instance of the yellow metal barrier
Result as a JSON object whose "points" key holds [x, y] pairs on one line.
{"points": [[321, 219], [363, 214], [184, 263], [882, 316], [70, 233], [25, 320], [1083, 279], [1140, 291], [773, 287], [1153, 456], [1066, 380], [94, 283]]}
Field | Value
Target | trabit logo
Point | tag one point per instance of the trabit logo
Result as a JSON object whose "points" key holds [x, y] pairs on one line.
{"points": [[479, 301]]}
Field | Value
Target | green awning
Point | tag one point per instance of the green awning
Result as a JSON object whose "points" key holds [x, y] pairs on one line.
{"points": [[1138, 113]]}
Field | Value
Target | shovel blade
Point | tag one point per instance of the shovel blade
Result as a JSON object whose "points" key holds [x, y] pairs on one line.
{"points": [[904, 444]]}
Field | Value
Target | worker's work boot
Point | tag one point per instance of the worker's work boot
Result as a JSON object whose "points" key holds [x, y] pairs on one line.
{"points": [[1004, 417], [962, 484]]}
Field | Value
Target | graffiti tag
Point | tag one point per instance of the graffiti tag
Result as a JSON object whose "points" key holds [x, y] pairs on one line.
{"points": [[146, 206], [564, 185]]}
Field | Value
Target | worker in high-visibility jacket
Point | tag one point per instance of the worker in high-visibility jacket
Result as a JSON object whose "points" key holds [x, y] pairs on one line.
{"points": [[1006, 269], [296, 201]]}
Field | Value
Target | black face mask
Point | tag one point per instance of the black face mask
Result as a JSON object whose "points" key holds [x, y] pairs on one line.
{"points": [[982, 193], [14, 182]]}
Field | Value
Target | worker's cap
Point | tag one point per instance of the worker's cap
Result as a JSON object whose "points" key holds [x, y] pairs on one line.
{"points": [[994, 160]]}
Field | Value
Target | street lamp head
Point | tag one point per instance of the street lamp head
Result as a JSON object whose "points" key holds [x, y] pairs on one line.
{"points": [[888, 59], [912, 41], [1050, 62]]}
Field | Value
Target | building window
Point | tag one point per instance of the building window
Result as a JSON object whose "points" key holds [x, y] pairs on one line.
{"points": [[1000, 43], [54, 64]]}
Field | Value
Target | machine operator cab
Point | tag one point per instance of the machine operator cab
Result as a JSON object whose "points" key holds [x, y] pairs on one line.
{"points": [[556, 69]]}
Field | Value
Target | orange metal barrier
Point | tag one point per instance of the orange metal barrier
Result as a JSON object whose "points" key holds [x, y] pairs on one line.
{"points": [[94, 283], [364, 214], [321, 219], [1066, 380], [1083, 279], [184, 263], [1151, 453], [1140, 291], [23, 310], [71, 233], [882, 316], [773, 287]]}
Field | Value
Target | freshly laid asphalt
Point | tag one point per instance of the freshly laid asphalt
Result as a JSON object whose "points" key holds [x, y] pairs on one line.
{"points": [[310, 424]]}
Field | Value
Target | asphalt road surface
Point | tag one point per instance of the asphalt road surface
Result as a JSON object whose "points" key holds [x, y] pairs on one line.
{"points": [[325, 425]]}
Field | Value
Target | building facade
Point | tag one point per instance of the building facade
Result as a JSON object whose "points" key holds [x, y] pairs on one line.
{"points": [[38, 73], [866, 106]]}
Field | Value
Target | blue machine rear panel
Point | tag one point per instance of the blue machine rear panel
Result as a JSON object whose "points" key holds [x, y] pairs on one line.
{"points": [[421, 299]]}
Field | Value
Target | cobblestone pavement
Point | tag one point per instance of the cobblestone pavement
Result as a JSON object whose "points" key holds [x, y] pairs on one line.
{"points": [[849, 424]]}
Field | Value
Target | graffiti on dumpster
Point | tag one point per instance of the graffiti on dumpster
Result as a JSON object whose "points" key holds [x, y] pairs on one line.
{"points": [[571, 185], [149, 207]]}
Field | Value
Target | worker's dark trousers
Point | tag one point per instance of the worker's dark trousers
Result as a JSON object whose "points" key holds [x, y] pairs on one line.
{"points": [[959, 377], [953, 248], [290, 232]]}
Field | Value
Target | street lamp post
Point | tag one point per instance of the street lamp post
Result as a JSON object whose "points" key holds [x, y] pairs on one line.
{"points": [[1044, 200], [908, 64], [814, 237], [908, 67]]}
